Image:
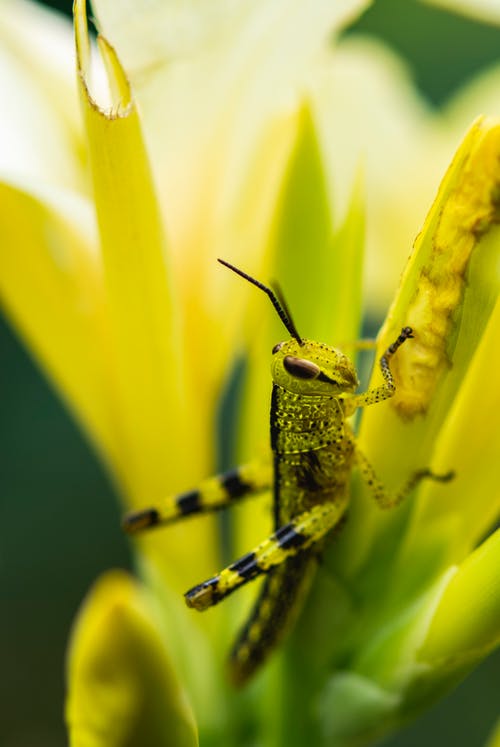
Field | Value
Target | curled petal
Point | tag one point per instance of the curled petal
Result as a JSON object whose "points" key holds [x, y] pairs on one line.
{"points": [[447, 295], [466, 623], [122, 688]]}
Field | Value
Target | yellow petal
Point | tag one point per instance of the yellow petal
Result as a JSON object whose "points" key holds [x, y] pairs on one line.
{"points": [[188, 63], [145, 342], [37, 86], [449, 315], [148, 397], [459, 229], [369, 114], [466, 624], [216, 87], [309, 262], [122, 689], [469, 443], [51, 286]]}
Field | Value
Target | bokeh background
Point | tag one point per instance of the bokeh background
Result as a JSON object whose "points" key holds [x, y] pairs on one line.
{"points": [[59, 521]]}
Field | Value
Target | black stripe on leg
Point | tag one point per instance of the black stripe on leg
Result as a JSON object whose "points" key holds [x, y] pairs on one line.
{"points": [[189, 503], [139, 520], [203, 595], [288, 537], [247, 566], [234, 485]]}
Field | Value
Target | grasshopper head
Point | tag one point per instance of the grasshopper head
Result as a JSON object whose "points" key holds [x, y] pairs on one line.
{"points": [[312, 368], [304, 366]]}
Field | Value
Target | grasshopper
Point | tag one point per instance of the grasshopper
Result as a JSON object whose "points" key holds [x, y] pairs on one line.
{"points": [[313, 454]]}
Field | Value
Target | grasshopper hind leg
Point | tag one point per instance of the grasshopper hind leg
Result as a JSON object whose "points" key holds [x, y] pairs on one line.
{"points": [[300, 534], [213, 494], [273, 614]]}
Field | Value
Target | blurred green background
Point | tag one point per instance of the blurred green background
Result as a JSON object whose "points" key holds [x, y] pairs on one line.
{"points": [[58, 517]]}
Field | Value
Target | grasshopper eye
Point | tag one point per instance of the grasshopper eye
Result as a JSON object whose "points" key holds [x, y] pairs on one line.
{"points": [[301, 368]]}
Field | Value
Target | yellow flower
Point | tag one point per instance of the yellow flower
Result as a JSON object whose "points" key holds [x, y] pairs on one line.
{"points": [[123, 691], [229, 151]]}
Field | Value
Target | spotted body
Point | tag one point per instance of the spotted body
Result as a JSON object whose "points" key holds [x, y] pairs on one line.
{"points": [[313, 454]]}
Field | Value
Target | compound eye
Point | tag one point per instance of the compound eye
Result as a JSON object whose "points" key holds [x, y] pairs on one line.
{"points": [[301, 368], [278, 347]]}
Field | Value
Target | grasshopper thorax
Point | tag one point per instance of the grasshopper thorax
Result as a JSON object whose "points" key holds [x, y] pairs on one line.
{"points": [[312, 368]]}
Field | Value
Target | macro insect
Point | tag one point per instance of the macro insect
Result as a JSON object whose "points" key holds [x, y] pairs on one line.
{"points": [[313, 454]]}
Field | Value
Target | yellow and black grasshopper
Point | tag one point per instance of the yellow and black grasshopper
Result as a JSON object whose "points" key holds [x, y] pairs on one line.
{"points": [[314, 451]]}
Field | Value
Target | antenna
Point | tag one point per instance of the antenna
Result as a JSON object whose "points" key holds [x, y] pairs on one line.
{"points": [[283, 313]]}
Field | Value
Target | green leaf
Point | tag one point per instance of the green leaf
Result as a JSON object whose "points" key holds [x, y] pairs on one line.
{"points": [[319, 271], [352, 708]]}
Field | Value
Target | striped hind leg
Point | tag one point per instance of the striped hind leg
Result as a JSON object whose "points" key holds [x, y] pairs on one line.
{"points": [[212, 494], [291, 538], [273, 615]]}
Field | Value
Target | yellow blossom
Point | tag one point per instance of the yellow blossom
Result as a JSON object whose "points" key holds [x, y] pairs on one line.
{"points": [[233, 131]]}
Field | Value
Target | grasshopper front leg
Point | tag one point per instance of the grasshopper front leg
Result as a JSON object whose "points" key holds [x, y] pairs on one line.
{"points": [[379, 393], [384, 498], [372, 396]]}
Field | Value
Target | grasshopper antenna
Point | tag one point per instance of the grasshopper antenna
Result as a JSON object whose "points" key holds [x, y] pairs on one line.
{"points": [[281, 308]]}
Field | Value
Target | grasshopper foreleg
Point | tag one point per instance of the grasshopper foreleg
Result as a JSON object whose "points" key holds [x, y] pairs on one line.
{"points": [[379, 491]]}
